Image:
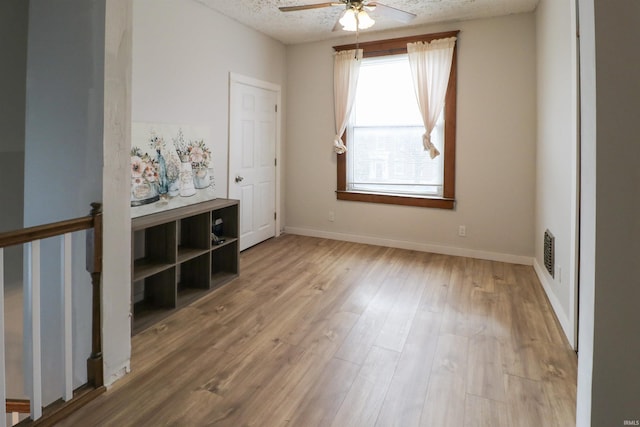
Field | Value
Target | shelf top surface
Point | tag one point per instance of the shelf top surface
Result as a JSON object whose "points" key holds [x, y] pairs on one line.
{"points": [[172, 211]]}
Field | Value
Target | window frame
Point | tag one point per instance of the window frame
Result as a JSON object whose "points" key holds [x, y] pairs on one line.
{"points": [[447, 201]]}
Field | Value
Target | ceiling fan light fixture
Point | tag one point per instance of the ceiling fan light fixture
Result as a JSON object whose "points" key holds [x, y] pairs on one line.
{"points": [[364, 20], [353, 20], [348, 20]]}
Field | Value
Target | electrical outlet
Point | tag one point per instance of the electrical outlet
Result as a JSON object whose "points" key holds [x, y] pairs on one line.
{"points": [[332, 216], [462, 231], [559, 269]]}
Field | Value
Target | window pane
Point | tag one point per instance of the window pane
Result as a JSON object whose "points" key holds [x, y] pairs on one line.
{"points": [[385, 93], [391, 159], [385, 134]]}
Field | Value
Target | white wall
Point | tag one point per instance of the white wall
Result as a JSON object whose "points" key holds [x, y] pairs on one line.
{"points": [[495, 182], [608, 374], [557, 155], [183, 53], [63, 157]]}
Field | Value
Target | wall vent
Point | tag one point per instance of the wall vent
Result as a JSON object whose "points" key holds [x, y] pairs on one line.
{"points": [[549, 252]]}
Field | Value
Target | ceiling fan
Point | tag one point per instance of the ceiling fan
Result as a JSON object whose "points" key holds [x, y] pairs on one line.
{"points": [[355, 16]]}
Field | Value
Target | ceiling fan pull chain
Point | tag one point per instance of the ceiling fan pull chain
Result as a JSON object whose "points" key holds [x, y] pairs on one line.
{"points": [[357, 34]]}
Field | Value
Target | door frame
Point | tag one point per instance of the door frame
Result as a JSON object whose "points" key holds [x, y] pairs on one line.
{"points": [[235, 78]]}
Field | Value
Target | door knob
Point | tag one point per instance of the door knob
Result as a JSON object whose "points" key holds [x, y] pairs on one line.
{"points": [[239, 178]]}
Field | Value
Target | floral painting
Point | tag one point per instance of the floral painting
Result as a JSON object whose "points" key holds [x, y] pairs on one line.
{"points": [[170, 164]]}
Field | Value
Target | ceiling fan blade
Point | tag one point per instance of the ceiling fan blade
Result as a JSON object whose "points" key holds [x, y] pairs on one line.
{"points": [[392, 12], [338, 26], [309, 6]]}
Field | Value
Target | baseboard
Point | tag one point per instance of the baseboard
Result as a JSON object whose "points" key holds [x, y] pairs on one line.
{"points": [[565, 323], [415, 246]]}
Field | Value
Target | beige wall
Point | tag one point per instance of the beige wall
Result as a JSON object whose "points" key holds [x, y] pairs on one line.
{"points": [[557, 156], [183, 53], [495, 149]]}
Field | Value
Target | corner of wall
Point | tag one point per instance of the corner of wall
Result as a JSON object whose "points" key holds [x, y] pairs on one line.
{"points": [[557, 169]]}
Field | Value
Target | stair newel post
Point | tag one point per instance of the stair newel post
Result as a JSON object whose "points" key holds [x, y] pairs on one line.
{"points": [[94, 267]]}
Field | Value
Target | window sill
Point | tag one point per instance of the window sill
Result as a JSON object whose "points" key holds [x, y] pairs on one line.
{"points": [[425, 202]]}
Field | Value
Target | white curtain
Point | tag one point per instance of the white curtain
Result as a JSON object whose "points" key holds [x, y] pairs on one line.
{"points": [[430, 67], [346, 68]]}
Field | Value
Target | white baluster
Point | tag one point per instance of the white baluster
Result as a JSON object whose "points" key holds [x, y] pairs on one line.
{"points": [[3, 390], [36, 354], [67, 354]]}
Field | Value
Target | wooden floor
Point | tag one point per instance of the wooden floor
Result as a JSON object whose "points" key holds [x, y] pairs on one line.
{"points": [[325, 333]]}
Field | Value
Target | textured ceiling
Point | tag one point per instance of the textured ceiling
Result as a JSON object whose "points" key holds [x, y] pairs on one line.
{"points": [[317, 24]]}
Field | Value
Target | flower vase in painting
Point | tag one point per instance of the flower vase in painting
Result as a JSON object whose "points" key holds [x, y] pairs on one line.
{"points": [[144, 178], [186, 171], [201, 178], [157, 143], [174, 186], [200, 156], [187, 187], [172, 169], [163, 183]]}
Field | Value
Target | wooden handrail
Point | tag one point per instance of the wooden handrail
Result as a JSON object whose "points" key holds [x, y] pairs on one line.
{"points": [[39, 232], [21, 406], [95, 380]]}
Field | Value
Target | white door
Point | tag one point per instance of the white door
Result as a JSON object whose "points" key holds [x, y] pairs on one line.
{"points": [[252, 160]]}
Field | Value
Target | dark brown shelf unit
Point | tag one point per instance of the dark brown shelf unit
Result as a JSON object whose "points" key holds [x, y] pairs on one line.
{"points": [[145, 267], [175, 262], [185, 254]]}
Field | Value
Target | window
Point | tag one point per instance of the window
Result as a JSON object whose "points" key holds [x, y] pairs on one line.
{"points": [[385, 161], [385, 134]]}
